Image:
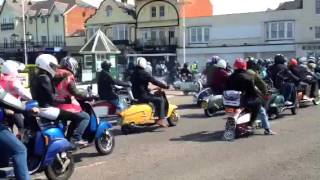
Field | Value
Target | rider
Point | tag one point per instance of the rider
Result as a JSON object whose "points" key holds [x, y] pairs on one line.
{"points": [[220, 77], [283, 79], [43, 90], [185, 72], [9, 82], [308, 79], [106, 84], [65, 83], [140, 81], [10, 145], [242, 81], [253, 70], [210, 68], [194, 67]]}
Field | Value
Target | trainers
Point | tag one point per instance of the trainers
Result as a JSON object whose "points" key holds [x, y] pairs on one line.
{"points": [[81, 143], [288, 103], [269, 132]]}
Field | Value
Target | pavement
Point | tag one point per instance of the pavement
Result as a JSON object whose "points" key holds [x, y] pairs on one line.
{"points": [[194, 150]]}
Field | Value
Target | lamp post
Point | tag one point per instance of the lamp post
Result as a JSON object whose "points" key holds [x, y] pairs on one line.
{"points": [[183, 4], [24, 32]]}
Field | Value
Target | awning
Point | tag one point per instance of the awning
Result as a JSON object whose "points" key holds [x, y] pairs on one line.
{"points": [[99, 43]]}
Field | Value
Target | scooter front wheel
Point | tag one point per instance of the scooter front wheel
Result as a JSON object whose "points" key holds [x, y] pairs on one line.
{"points": [[61, 168], [210, 112], [105, 144]]}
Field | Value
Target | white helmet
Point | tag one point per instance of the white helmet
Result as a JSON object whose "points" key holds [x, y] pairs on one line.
{"points": [[142, 62], [47, 63], [222, 64], [10, 68]]}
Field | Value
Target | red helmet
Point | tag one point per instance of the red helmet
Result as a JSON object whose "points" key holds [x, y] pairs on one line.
{"points": [[293, 63], [240, 64]]}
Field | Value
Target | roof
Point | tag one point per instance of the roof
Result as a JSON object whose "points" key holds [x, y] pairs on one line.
{"points": [[130, 9], [99, 43], [45, 7], [15, 6], [291, 5]]}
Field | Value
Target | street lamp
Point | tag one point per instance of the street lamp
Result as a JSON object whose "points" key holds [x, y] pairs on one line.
{"points": [[183, 4]]}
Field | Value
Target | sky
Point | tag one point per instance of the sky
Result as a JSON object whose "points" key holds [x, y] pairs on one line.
{"points": [[235, 6]]}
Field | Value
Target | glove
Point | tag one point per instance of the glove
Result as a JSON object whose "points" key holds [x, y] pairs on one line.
{"points": [[68, 100]]}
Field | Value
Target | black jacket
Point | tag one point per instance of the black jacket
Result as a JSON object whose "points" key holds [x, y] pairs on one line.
{"points": [[140, 81], [106, 84], [43, 91], [280, 73], [301, 72], [242, 81]]}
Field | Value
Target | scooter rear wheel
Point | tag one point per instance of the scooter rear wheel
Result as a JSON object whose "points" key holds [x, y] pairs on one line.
{"points": [[53, 171]]}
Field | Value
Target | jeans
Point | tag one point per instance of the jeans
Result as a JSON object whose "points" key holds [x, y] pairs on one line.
{"points": [[12, 147], [264, 118], [288, 91], [78, 125]]}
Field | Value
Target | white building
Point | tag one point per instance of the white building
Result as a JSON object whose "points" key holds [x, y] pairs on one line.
{"points": [[293, 29]]}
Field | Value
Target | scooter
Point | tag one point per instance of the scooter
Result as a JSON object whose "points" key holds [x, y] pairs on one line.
{"points": [[48, 150], [187, 84], [276, 104], [199, 97], [98, 131], [237, 118], [212, 104], [142, 115]]}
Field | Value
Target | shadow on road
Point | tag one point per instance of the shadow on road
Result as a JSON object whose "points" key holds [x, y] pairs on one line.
{"points": [[187, 106], [78, 157], [203, 136], [202, 116], [149, 129]]}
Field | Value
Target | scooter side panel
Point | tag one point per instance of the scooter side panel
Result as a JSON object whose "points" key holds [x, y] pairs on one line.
{"points": [[54, 133], [102, 127], [39, 144], [137, 114], [55, 147], [215, 102]]}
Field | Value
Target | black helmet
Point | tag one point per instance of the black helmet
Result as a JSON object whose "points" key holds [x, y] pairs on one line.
{"points": [[279, 59], [253, 64], [106, 65], [185, 65]]}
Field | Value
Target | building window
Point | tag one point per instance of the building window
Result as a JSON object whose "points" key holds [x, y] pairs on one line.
{"points": [[5, 42], [162, 11], [109, 11], [280, 30], [88, 62], [58, 41], [56, 18], [43, 19], [199, 34], [44, 40], [153, 35], [153, 12], [120, 32], [317, 6], [317, 31], [30, 20]]}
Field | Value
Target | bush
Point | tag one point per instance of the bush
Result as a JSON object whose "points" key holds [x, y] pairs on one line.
{"points": [[31, 70]]}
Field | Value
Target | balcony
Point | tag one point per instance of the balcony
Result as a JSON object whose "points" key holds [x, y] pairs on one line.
{"points": [[157, 42], [7, 26], [30, 44]]}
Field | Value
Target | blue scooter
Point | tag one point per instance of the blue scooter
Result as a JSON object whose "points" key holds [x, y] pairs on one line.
{"points": [[48, 150], [98, 131]]}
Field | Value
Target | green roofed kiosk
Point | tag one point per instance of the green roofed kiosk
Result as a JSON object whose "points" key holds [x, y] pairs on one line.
{"points": [[95, 51]]}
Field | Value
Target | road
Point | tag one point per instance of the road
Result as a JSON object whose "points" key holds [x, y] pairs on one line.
{"points": [[194, 150]]}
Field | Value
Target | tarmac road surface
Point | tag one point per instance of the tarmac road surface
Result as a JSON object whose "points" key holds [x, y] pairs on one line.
{"points": [[193, 150]]}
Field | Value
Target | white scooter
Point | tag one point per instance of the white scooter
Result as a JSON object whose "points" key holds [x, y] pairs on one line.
{"points": [[238, 118]]}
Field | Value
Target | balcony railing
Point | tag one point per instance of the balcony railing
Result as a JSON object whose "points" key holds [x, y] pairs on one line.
{"points": [[157, 42], [31, 44], [7, 26]]}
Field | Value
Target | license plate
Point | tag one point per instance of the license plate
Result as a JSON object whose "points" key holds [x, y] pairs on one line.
{"points": [[230, 110]]}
